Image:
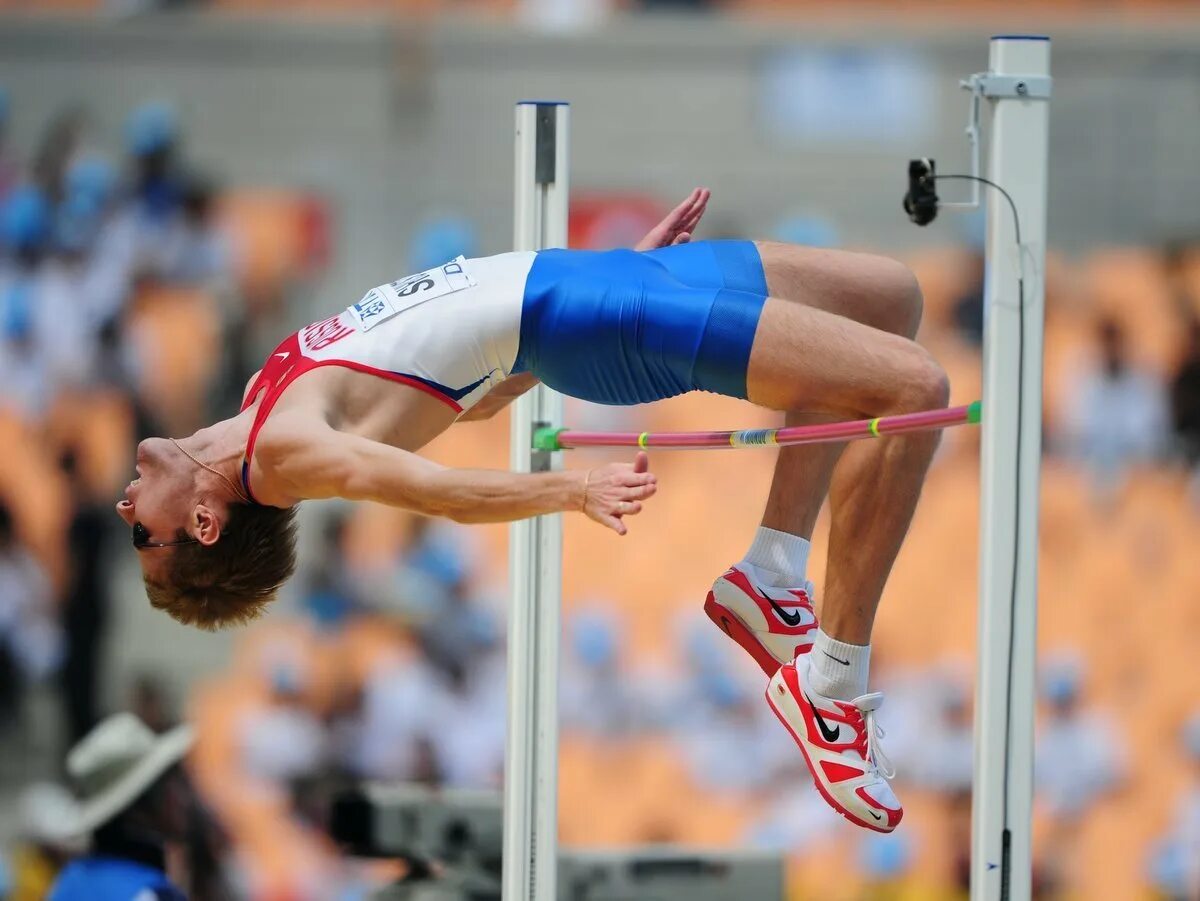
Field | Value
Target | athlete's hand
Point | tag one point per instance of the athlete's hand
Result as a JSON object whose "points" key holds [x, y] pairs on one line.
{"points": [[679, 224], [617, 490]]}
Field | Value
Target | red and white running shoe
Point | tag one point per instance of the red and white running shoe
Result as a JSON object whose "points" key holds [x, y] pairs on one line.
{"points": [[774, 625], [840, 743]]}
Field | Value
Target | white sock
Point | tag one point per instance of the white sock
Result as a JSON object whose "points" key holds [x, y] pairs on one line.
{"points": [[779, 554], [838, 670]]}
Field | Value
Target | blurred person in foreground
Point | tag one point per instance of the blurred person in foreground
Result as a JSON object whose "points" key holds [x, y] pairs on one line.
{"points": [[43, 847], [1079, 758], [340, 407], [134, 802], [1115, 411]]}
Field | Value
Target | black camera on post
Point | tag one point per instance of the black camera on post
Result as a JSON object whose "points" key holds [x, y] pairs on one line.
{"points": [[921, 201]]}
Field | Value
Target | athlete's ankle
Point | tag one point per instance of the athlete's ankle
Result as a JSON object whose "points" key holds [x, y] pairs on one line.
{"points": [[839, 670], [780, 557]]}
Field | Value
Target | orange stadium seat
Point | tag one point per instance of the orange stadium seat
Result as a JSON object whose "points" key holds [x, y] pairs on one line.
{"points": [[98, 426], [1130, 285], [281, 236], [177, 335], [36, 493]]}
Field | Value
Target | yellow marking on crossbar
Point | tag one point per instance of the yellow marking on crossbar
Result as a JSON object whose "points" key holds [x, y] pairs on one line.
{"points": [[773, 436], [874, 427], [642, 439]]}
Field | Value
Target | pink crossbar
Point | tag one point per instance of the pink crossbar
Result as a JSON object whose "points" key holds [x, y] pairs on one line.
{"points": [[801, 434]]}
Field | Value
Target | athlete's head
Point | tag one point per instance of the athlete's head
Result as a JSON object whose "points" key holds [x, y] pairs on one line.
{"points": [[208, 558]]}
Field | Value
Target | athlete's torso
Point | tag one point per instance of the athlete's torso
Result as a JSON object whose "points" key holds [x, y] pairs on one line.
{"points": [[401, 365]]}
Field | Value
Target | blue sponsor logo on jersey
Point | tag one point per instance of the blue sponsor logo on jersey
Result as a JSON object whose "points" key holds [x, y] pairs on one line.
{"points": [[371, 307]]}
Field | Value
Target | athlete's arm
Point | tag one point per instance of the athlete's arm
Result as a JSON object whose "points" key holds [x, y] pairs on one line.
{"points": [[335, 464], [500, 397]]}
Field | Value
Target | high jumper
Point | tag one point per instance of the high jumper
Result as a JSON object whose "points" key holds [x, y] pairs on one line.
{"points": [[341, 407]]}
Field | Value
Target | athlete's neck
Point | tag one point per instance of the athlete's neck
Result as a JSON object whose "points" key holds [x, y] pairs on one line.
{"points": [[221, 446]]}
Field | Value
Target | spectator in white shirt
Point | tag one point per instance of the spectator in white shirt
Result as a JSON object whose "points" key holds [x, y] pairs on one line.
{"points": [[596, 698], [1115, 412], [1079, 758], [1175, 860], [26, 363]]}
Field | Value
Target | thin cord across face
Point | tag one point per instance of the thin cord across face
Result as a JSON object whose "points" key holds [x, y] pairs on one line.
{"points": [[228, 481]]}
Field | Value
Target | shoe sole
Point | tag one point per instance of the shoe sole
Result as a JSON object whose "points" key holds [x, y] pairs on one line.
{"points": [[727, 621], [773, 689]]}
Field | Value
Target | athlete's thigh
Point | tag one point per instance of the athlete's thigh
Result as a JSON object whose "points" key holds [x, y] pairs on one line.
{"points": [[807, 359], [871, 289]]}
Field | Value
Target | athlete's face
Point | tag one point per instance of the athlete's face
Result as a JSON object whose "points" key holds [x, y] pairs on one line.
{"points": [[159, 501]]}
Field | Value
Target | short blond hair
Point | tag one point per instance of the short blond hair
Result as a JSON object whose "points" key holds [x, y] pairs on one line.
{"points": [[230, 582]]}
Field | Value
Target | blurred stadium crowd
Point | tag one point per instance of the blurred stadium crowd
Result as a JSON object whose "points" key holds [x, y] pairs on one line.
{"points": [[133, 290]]}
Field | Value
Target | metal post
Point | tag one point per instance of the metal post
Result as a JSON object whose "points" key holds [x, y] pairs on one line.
{"points": [[1017, 90], [535, 553]]}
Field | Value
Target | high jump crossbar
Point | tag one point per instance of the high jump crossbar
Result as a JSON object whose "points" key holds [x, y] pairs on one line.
{"points": [[549, 439], [1015, 92]]}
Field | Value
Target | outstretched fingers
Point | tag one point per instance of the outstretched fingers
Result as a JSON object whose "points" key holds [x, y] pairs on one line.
{"points": [[618, 490], [678, 225]]}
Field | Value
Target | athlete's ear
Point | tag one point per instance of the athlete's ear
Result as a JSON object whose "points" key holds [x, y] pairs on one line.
{"points": [[206, 528]]}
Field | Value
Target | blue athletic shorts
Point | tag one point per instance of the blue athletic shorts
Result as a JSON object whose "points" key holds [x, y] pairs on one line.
{"points": [[622, 327]]}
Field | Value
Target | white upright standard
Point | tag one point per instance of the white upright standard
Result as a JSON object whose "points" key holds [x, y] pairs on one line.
{"points": [[535, 553], [1017, 86]]}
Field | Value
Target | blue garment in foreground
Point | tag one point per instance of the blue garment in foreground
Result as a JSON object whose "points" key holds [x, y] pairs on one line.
{"points": [[623, 327], [98, 878]]}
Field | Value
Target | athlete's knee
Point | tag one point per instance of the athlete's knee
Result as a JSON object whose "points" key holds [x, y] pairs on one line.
{"points": [[925, 386], [900, 313]]}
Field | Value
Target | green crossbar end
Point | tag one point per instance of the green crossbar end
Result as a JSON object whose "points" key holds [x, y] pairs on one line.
{"points": [[975, 412], [546, 439]]}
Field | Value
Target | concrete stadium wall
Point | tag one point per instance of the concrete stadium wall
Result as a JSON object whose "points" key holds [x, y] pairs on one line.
{"points": [[393, 122]]}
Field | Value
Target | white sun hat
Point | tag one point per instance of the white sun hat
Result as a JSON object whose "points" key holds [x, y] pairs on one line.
{"points": [[47, 815], [116, 762]]}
